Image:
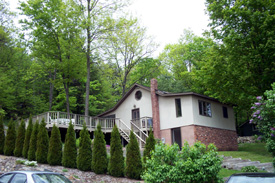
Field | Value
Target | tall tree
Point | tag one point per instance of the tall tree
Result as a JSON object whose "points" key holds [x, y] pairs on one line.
{"points": [[19, 143]]}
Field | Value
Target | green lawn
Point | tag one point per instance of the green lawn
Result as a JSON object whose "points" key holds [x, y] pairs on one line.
{"points": [[253, 151]]}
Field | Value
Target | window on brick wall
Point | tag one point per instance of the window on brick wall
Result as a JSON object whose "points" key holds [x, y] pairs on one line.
{"points": [[178, 107], [225, 112], [205, 108]]}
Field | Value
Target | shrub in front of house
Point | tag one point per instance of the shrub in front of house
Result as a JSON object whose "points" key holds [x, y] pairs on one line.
{"points": [[2, 135], [84, 158], [27, 138], [99, 159], [10, 139], [55, 147], [33, 142], [70, 151], [133, 159], [116, 162], [192, 164], [19, 143], [149, 146], [42, 146]]}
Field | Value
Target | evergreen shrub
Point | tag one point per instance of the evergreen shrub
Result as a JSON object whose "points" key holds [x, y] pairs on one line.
{"points": [[19, 143], [33, 142], [42, 145], [10, 139], [27, 138], [55, 147], [149, 146], [70, 151], [2, 135]]}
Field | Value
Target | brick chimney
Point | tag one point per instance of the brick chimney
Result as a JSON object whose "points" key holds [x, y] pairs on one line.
{"points": [[155, 108]]}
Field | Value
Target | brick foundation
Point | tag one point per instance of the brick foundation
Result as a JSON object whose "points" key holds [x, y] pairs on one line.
{"points": [[166, 134], [225, 140], [188, 134]]}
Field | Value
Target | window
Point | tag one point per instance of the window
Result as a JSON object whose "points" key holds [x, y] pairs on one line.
{"points": [[178, 107], [138, 95], [205, 108], [225, 113]]}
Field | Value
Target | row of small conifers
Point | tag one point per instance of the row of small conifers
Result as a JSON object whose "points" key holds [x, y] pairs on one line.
{"points": [[35, 145]]}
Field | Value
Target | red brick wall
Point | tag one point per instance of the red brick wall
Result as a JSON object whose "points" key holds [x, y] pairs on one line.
{"points": [[225, 140], [155, 109]]}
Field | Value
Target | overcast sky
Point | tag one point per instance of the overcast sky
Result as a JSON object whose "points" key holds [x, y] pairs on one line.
{"points": [[165, 20]]}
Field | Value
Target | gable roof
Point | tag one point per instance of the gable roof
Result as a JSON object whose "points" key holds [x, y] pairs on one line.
{"points": [[158, 92]]}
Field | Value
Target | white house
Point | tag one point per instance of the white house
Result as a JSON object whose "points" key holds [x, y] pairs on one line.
{"points": [[177, 117]]}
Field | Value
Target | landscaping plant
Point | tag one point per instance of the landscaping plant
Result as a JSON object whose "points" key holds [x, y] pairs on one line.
{"points": [[10, 139], [99, 159], [84, 158], [70, 151], [27, 138], [2, 135], [55, 147], [133, 159], [42, 146], [249, 169], [33, 142], [19, 143], [116, 163], [149, 146], [192, 164]]}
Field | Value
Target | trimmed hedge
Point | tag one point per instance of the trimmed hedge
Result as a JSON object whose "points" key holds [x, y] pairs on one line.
{"points": [[42, 143], [20, 140], [10, 139], [70, 151], [33, 142], [27, 138], [55, 147]]}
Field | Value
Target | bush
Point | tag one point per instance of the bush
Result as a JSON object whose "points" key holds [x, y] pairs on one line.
{"points": [[149, 146], [10, 139], [99, 159], [55, 147], [42, 146], [2, 135], [116, 162], [249, 169], [133, 159], [191, 164], [70, 151], [84, 158], [20, 140], [27, 138], [33, 142]]}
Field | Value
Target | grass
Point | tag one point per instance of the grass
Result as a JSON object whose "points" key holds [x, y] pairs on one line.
{"points": [[227, 173], [252, 151]]}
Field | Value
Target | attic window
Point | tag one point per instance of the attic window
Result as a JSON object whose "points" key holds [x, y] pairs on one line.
{"points": [[138, 95]]}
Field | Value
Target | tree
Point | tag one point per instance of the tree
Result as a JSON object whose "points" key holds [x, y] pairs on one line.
{"points": [[42, 146], [10, 139], [133, 159], [33, 142], [84, 158], [70, 151], [2, 135], [149, 146], [55, 147], [27, 138], [116, 164], [19, 143], [99, 159]]}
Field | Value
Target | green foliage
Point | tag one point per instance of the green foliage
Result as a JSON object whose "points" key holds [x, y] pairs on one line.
{"points": [[84, 158], [249, 169], [42, 146], [20, 140], [70, 151], [2, 135], [116, 163], [33, 142], [149, 146], [191, 164], [10, 139], [27, 138], [55, 147], [99, 159], [133, 159]]}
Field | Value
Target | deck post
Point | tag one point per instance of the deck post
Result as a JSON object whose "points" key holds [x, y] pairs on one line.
{"points": [[57, 119], [48, 118]]}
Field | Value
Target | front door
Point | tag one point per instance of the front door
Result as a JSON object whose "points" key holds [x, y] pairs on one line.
{"points": [[176, 136], [135, 117]]}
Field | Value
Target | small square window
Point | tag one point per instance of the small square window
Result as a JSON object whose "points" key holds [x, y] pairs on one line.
{"points": [[225, 112], [178, 107]]}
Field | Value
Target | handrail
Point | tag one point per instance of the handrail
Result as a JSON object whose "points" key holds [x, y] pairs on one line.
{"points": [[140, 132]]}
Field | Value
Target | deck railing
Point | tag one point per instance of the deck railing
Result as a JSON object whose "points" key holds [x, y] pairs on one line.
{"points": [[144, 123]]}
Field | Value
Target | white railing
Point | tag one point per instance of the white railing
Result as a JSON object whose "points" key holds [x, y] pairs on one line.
{"points": [[144, 123], [140, 134]]}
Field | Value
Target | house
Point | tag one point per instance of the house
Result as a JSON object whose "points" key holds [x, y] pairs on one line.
{"points": [[247, 129], [177, 117]]}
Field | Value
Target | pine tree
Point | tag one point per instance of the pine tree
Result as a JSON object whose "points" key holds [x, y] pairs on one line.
{"points": [[2, 135], [33, 142], [10, 139], [116, 164], [27, 138], [84, 158], [55, 147], [20, 140], [149, 146], [99, 159], [133, 159], [70, 151], [42, 145]]}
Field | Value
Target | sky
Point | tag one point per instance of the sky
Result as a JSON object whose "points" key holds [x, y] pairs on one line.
{"points": [[165, 20]]}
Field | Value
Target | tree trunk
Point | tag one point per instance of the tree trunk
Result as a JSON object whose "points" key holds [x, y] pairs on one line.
{"points": [[51, 89], [66, 87]]}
